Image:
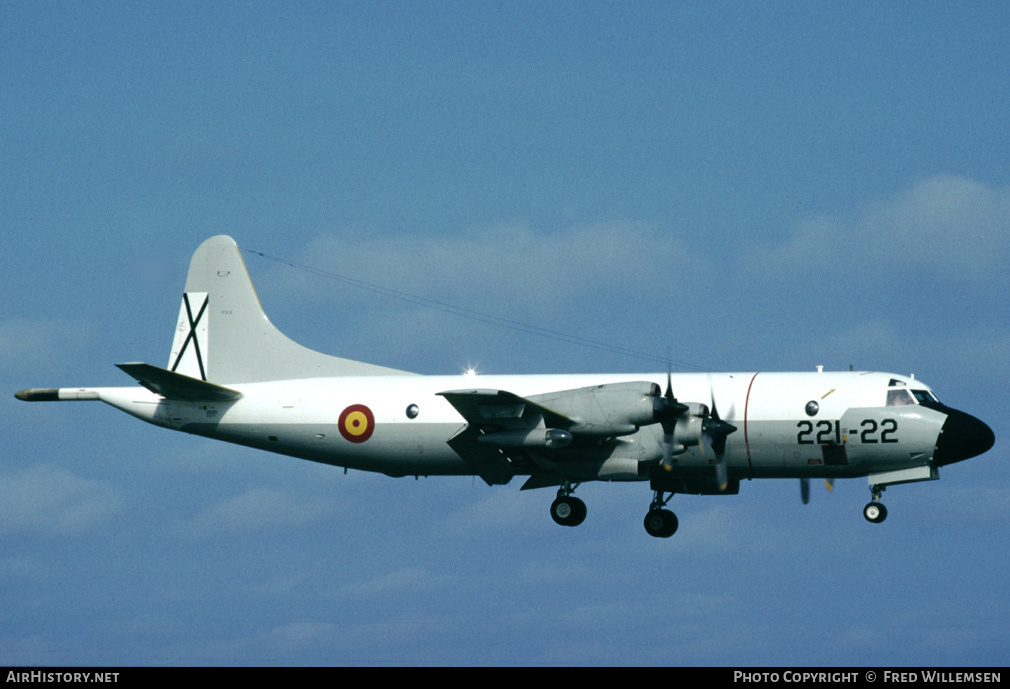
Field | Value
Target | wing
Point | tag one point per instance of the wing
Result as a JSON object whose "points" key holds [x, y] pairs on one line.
{"points": [[501, 427], [499, 410], [568, 435]]}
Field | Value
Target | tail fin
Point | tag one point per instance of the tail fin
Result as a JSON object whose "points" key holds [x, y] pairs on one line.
{"points": [[223, 334]]}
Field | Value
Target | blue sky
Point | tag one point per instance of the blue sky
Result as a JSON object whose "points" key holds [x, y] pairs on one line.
{"points": [[747, 186]]}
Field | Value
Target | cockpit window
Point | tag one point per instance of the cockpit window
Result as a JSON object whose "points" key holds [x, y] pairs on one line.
{"points": [[899, 397]]}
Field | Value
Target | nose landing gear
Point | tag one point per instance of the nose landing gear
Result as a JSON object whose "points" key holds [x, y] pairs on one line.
{"points": [[875, 511]]}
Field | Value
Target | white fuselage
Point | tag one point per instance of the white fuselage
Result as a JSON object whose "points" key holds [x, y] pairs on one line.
{"points": [[775, 436]]}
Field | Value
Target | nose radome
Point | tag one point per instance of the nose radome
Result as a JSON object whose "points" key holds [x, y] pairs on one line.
{"points": [[962, 437]]}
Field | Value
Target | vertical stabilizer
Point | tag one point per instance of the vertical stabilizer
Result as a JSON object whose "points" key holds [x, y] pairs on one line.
{"points": [[224, 336]]}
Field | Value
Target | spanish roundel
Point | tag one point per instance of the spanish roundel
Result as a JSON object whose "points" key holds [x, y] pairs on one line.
{"points": [[356, 423]]}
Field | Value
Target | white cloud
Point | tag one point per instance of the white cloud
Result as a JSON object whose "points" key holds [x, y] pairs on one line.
{"points": [[410, 580], [610, 283], [46, 499], [302, 633], [950, 224], [493, 269], [982, 358], [504, 507], [873, 340], [843, 282], [944, 225], [259, 509]]}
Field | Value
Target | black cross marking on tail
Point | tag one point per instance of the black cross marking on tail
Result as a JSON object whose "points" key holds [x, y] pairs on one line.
{"points": [[192, 334]]}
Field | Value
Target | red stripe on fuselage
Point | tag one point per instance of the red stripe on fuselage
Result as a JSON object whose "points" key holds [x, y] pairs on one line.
{"points": [[746, 408]]}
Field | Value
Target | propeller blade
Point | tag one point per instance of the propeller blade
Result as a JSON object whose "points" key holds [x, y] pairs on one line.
{"points": [[715, 425], [715, 431], [721, 472], [829, 483], [667, 446], [667, 410], [717, 443], [718, 446]]}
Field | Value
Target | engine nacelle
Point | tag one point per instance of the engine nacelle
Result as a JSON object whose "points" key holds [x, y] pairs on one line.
{"points": [[690, 426], [619, 469], [612, 409]]}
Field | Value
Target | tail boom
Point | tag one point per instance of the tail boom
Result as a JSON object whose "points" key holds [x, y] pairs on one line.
{"points": [[57, 394]]}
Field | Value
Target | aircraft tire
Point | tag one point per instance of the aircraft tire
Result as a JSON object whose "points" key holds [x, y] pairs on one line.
{"points": [[568, 511], [661, 523], [579, 512], [875, 512]]}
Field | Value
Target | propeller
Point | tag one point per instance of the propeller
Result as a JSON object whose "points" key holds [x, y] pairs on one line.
{"points": [[714, 431], [829, 483], [667, 410]]}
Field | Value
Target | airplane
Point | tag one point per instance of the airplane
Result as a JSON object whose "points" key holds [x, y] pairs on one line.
{"points": [[233, 376]]}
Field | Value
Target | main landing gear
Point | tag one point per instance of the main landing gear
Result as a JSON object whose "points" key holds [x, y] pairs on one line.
{"points": [[568, 510], [875, 511], [660, 522]]}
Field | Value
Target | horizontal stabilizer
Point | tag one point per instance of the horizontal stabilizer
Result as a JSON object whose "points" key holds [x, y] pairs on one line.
{"points": [[174, 385]]}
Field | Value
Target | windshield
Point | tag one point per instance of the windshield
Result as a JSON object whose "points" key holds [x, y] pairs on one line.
{"points": [[897, 397]]}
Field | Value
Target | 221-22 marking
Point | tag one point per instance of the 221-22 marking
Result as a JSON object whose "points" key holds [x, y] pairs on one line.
{"points": [[828, 433]]}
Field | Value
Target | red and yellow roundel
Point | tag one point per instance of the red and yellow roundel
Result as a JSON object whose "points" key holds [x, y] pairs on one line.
{"points": [[356, 423]]}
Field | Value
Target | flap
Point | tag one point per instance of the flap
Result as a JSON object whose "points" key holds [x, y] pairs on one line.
{"points": [[488, 462]]}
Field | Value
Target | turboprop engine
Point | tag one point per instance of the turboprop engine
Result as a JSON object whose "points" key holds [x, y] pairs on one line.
{"points": [[612, 409], [690, 427]]}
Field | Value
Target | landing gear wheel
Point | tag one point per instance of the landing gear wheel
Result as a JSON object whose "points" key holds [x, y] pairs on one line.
{"points": [[875, 512], [579, 515], [661, 523], [568, 511]]}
